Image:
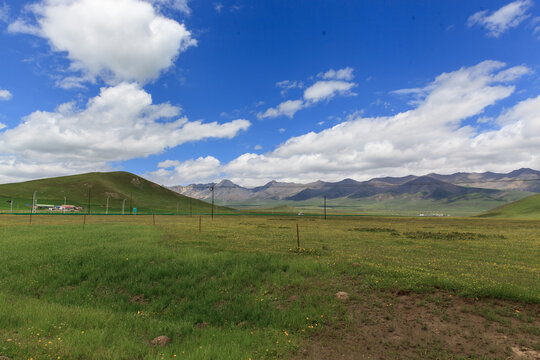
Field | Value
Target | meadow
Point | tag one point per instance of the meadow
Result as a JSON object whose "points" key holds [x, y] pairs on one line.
{"points": [[240, 288]]}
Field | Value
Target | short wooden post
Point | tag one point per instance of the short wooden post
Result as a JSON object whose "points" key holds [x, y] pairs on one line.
{"points": [[297, 237], [200, 219], [30, 218], [84, 220]]}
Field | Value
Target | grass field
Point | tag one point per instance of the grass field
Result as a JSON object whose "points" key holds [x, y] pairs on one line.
{"points": [[404, 205], [241, 289]]}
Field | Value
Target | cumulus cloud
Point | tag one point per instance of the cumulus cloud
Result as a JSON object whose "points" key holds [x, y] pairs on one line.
{"points": [[325, 90], [341, 74], [121, 40], [507, 17], [119, 124], [286, 108], [5, 95], [172, 172], [429, 137], [319, 91]]}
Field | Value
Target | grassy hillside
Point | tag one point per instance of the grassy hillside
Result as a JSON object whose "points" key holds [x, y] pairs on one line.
{"points": [[142, 194], [528, 208]]}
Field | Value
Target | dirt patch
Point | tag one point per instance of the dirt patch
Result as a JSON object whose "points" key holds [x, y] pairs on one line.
{"points": [[293, 298], [524, 353], [342, 295], [403, 325], [161, 340], [138, 299]]}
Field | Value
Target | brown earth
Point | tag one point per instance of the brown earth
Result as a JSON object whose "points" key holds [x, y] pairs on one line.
{"points": [[161, 340], [403, 325]]}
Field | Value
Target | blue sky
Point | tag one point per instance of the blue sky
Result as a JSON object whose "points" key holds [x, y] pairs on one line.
{"points": [[185, 91]]}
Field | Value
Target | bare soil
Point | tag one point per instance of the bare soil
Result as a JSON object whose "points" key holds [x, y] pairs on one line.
{"points": [[440, 325]]}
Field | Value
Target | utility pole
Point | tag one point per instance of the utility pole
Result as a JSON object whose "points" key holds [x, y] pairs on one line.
{"points": [[212, 189], [131, 203], [324, 207], [190, 207], [64, 205], [177, 208], [34, 201], [107, 208], [89, 200], [123, 203]]}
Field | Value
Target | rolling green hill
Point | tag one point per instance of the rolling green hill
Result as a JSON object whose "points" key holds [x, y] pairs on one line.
{"points": [[142, 194], [527, 208]]}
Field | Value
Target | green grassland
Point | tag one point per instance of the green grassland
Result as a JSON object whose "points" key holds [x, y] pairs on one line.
{"points": [[241, 288], [527, 208], [403, 205], [142, 194]]}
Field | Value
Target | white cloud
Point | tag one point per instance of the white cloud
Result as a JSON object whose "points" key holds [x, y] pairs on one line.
{"points": [[341, 74], [5, 95], [286, 85], [121, 40], [507, 17], [321, 90], [180, 5], [119, 124], [218, 7], [325, 90], [257, 147], [172, 172], [430, 137], [4, 13], [286, 108]]}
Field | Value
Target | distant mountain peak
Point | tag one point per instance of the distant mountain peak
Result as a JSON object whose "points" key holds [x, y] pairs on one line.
{"points": [[524, 171], [431, 185], [226, 183]]}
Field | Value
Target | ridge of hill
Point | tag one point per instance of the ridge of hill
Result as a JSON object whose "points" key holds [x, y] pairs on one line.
{"points": [[432, 186], [118, 187], [526, 208]]}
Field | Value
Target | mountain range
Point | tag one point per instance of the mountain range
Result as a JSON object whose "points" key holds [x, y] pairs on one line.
{"points": [[432, 186]]}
